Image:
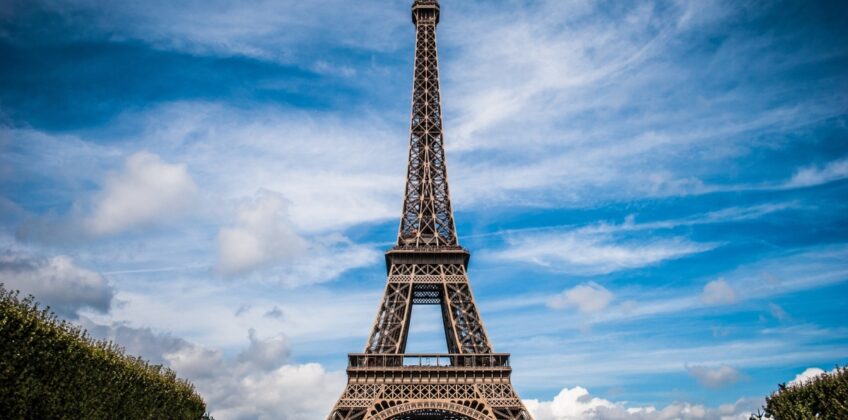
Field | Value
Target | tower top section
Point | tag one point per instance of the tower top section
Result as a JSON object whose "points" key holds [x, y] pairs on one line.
{"points": [[425, 11], [427, 219]]}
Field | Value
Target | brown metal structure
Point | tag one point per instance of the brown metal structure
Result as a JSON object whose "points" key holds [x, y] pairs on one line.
{"points": [[428, 267]]}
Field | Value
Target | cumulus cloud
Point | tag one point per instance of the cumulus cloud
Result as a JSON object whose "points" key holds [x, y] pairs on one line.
{"points": [[57, 282], [256, 386], [718, 292], [266, 353], [588, 298], [146, 191], [261, 235], [260, 382], [263, 239], [142, 342], [577, 404], [806, 375], [574, 403], [714, 377]]}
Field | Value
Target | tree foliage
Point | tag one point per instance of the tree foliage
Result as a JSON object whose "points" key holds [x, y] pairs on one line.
{"points": [[53, 369], [822, 397]]}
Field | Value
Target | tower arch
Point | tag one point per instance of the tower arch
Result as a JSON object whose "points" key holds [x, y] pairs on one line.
{"points": [[431, 410]]}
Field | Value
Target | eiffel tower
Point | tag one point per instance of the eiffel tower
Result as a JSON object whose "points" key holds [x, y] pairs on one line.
{"points": [[428, 267]]}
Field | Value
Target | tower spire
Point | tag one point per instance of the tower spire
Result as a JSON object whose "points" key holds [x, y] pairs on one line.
{"points": [[427, 218]]}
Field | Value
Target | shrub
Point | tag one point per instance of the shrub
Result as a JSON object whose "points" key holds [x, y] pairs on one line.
{"points": [[822, 397], [53, 369]]}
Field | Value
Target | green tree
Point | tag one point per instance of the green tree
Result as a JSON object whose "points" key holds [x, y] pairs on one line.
{"points": [[822, 397], [53, 369]]}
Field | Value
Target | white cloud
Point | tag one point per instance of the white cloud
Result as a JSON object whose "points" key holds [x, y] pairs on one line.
{"points": [[333, 172], [270, 30], [574, 403], [258, 383], [815, 175], [57, 282], [777, 312], [233, 153], [262, 235], [145, 192], [602, 107], [589, 298], [607, 359], [142, 342], [264, 240], [255, 386], [265, 353], [605, 247], [806, 375], [765, 279], [714, 377], [216, 312], [577, 404], [332, 255], [718, 292], [576, 66], [594, 250], [292, 392]]}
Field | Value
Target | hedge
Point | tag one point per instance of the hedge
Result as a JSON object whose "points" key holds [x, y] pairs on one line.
{"points": [[822, 397], [53, 369]]}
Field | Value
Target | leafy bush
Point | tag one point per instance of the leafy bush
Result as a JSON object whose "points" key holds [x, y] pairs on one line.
{"points": [[822, 397], [52, 369]]}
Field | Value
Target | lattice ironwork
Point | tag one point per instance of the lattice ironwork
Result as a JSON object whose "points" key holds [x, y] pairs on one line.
{"points": [[479, 400], [443, 284], [428, 267], [427, 218]]}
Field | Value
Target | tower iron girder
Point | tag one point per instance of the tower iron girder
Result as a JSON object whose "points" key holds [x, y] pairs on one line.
{"points": [[428, 267]]}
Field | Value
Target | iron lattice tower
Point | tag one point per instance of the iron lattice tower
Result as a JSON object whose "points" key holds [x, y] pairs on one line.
{"points": [[428, 266]]}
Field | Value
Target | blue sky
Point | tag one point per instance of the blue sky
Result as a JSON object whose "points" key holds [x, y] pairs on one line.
{"points": [[654, 193]]}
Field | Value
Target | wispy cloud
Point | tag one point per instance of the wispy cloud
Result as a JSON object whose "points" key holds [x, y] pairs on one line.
{"points": [[762, 281], [603, 248], [714, 377], [815, 175], [590, 254], [270, 30], [629, 224], [778, 312], [218, 313], [624, 358], [603, 110]]}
